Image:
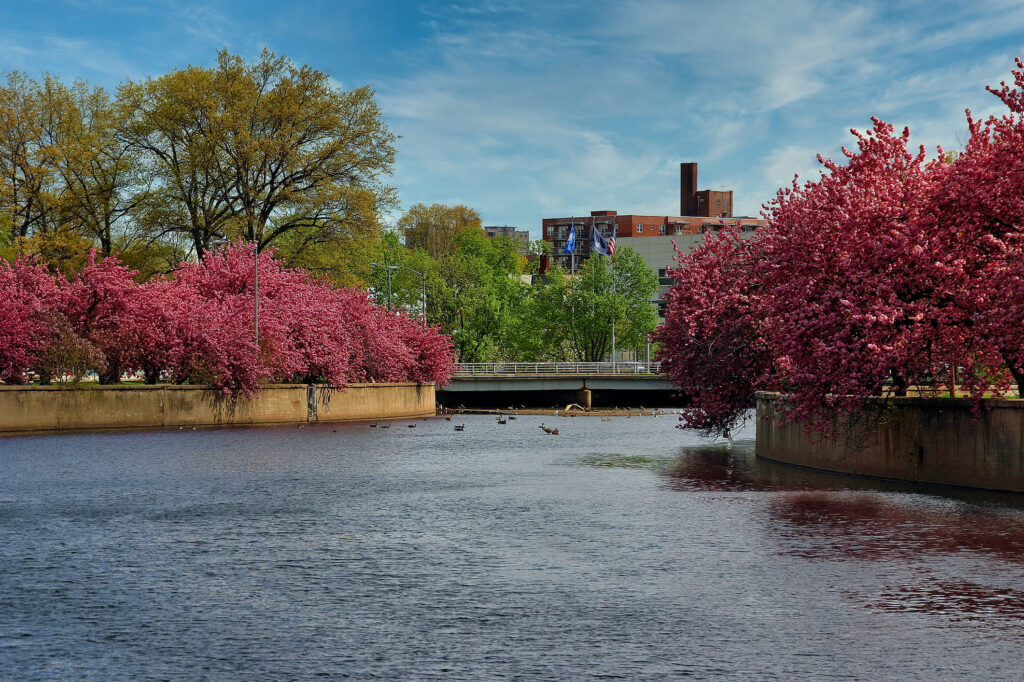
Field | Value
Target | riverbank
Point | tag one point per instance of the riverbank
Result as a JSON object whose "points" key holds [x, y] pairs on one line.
{"points": [[921, 440], [26, 409]]}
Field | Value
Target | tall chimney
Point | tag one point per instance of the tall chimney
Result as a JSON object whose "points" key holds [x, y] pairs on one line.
{"points": [[687, 189]]}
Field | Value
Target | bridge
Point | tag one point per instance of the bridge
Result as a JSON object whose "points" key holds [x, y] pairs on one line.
{"points": [[556, 384]]}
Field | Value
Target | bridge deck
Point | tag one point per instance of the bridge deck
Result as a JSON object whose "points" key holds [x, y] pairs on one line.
{"points": [[534, 369]]}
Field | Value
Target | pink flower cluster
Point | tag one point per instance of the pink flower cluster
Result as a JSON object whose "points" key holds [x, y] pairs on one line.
{"points": [[197, 326], [888, 272]]}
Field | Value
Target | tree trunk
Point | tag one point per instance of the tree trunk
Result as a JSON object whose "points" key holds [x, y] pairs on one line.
{"points": [[1016, 371], [110, 376], [106, 244], [899, 384]]}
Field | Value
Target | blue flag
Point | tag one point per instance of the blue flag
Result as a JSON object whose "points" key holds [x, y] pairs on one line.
{"points": [[598, 243], [570, 244]]}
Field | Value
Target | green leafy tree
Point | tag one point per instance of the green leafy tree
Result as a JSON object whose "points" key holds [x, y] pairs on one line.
{"points": [[63, 165], [474, 290], [102, 177], [635, 288], [571, 317], [259, 151], [480, 296], [27, 169]]}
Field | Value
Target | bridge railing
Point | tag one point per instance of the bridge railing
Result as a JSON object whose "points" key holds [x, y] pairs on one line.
{"points": [[554, 368]]}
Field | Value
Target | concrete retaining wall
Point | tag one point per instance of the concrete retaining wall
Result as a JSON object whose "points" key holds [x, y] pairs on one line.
{"points": [[911, 439], [48, 408]]}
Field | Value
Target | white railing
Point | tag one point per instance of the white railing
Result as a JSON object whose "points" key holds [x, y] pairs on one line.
{"points": [[466, 369]]}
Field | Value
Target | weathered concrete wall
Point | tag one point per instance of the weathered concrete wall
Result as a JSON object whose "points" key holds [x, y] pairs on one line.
{"points": [[912, 439], [47, 408], [376, 401]]}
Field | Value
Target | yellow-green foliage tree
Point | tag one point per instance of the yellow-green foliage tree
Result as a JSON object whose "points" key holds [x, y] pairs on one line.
{"points": [[267, 151], [259, 151], [66, 168], [27, 167], [435, 228]]}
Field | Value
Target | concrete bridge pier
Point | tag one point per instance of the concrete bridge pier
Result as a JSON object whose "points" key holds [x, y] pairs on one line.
{"points": [[583, 398]]}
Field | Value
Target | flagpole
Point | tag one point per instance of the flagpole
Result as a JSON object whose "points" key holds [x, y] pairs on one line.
{"points": [[611, 266]]}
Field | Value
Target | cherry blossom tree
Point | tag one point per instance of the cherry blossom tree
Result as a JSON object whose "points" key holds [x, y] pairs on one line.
{"points": [[104, 306], [308, 330], [854, 284], [889, 271], [198, 326], [711, 344], [980, 210], [28, 294]]}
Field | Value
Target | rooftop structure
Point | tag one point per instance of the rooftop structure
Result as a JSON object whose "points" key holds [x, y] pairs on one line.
{"points": [[507, 231], [654, 237]]}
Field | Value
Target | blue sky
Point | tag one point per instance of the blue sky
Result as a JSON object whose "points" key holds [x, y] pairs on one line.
{"points": [[525, 110]]}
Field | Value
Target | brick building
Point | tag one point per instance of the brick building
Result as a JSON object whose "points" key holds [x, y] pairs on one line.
{"points": [[630, 229], [652, 236], [704, 203]]}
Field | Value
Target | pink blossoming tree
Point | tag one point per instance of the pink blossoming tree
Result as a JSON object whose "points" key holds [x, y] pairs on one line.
{"points": [[198, 326], [889, 271]]}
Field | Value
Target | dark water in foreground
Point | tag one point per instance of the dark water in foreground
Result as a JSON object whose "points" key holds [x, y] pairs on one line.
{"points": [[622, 549]]}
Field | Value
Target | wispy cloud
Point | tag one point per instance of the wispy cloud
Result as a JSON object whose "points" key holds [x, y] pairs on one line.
{"points": [[532, 108], [68, 57]]}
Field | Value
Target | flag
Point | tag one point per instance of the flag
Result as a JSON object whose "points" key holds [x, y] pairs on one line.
{"points": [[597, 242], [611, 240], [570, 243]]}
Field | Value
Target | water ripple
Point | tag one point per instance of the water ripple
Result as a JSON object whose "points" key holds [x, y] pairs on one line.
{"points": [[625, 550]]}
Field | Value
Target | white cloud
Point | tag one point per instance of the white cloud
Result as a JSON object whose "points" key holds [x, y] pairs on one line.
{"points": [[531, 108]]}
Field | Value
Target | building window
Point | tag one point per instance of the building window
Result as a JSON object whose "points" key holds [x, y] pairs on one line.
{"points": [[661, 229], [661, 272], [639, 228]]}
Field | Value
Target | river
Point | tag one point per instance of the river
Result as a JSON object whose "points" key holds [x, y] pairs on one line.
{"points": [[623, 549]]}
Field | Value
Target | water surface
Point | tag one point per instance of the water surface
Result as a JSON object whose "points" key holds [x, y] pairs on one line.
{"points": [[624, 549]]}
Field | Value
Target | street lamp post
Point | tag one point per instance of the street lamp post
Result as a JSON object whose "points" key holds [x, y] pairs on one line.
{"points": [[254, 248], [389, 269], [423, 290]]}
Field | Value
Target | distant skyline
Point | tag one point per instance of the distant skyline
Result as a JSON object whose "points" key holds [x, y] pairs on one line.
{"points": [[527, 110]]}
